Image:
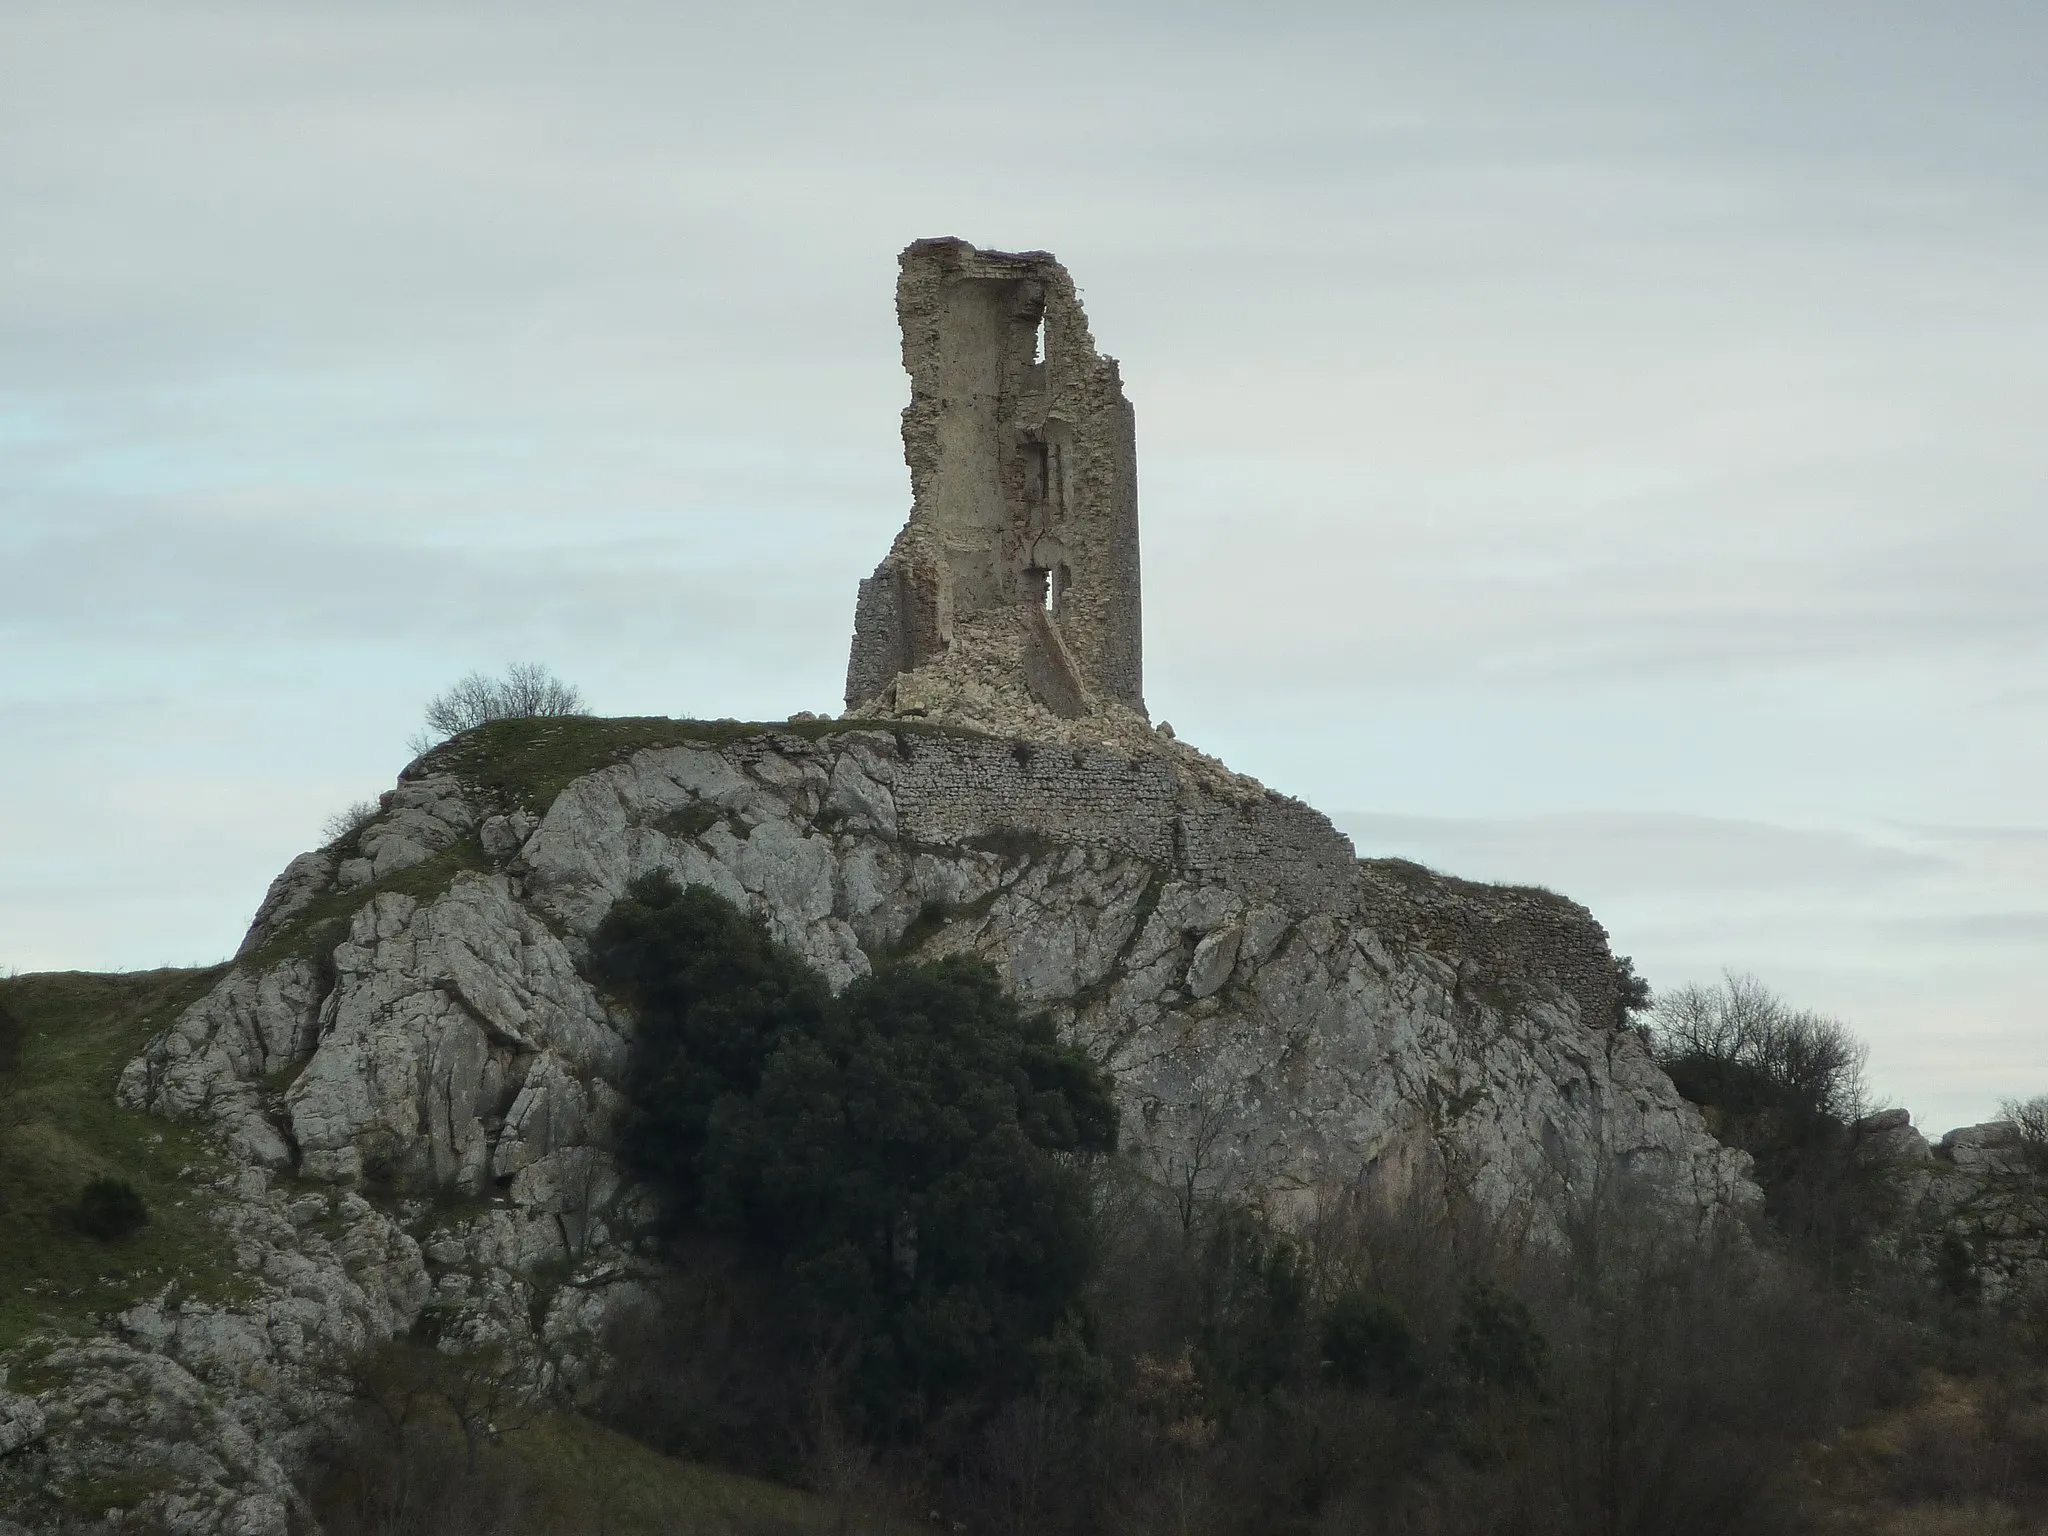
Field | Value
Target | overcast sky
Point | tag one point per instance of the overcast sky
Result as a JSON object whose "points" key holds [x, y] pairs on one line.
{"points": [[1591, 445]]}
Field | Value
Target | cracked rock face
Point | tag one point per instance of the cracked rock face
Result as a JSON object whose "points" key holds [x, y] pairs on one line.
{"points": [[439, 1014], [1281, 1021], [1973, 1208], [221, 1399]]}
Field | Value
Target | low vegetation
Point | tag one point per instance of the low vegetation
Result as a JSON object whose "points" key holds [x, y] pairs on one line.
{"points": [[348, 821], [324, 922], [440, 1445], [527, 691], [100, 1207]]}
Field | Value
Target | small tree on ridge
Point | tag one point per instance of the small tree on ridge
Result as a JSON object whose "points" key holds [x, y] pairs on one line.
{"points": [[528, 690]]}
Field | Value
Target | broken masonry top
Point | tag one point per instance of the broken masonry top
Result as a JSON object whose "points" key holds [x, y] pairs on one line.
{"points": [[1019, 564]]}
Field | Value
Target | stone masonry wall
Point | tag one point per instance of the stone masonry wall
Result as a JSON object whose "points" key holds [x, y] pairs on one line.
{"points": [[1514, 932], [1023, 467], [957, 789]]}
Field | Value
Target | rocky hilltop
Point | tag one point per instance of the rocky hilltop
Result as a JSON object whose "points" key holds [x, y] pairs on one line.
{"points": [[416, 1085], [415, 1088]]}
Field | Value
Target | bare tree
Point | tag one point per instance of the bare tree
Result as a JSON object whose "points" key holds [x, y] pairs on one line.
{"points": [[348, 819], [1192, 1180], [528, 690], [421, 1453], [1786, 1086], [1744, 1036], [2029, 1117]]}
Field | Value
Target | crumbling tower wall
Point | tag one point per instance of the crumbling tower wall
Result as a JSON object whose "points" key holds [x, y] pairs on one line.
{"points": [[1022, 543]]}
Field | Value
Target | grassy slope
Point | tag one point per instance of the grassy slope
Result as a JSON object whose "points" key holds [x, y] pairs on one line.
{"points": [[59, 1127], [598, 1478]]}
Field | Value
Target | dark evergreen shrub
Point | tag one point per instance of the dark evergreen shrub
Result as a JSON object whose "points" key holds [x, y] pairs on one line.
{"points": [[1368, 1344], [110, 1209], [712, 996], [1497, 1342], [906, 1156], [1631, 992]]}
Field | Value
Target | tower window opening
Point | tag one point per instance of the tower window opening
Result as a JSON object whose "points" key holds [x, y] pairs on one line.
{"points": [[1038, 341], [1038, 587]]}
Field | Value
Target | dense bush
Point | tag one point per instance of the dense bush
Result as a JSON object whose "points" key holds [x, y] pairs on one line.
{"points": [[903, 1271], [907, 1155], [1786, 1086], [1497, 1342], [1423, 1367], [1368, 1344], [714, 995], [110, 1209], [1253, 1321]]}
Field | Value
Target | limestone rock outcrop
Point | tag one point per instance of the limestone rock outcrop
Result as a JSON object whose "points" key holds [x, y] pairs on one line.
{"points": [[1218, 946], [1973, 1207], [218, 1400], [420, 1095]]}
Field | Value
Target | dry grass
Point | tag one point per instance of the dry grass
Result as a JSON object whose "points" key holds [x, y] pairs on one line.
{"points": [[1966, 1457]]}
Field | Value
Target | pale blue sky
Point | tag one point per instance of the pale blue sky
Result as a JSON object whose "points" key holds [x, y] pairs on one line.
{"points": [[1597, 445]]}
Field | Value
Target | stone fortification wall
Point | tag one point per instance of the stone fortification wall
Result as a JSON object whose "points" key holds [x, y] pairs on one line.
{"points": [[965, 789], [1503, 934]]}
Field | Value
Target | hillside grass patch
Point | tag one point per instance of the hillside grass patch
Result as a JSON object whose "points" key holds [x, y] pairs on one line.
{"points": [[60, 1129], [638, 1490], [314, 932]]}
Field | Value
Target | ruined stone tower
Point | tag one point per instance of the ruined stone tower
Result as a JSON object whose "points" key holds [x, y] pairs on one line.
{"points": [[1018, 569]]}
